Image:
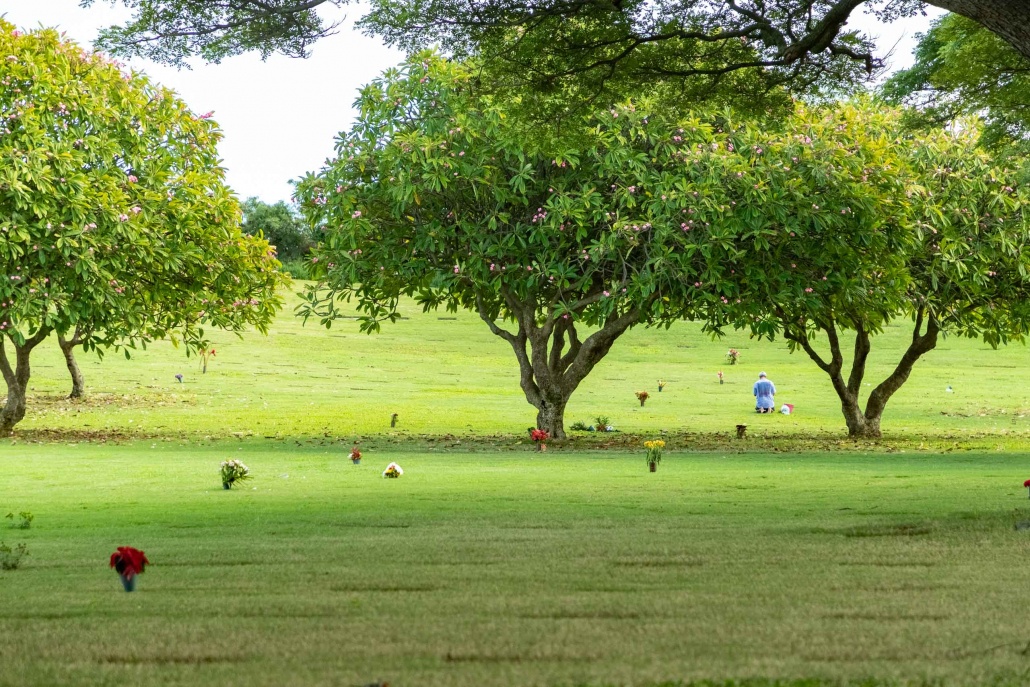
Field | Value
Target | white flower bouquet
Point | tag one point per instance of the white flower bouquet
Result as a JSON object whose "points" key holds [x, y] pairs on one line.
{"points": [[233, 471]]}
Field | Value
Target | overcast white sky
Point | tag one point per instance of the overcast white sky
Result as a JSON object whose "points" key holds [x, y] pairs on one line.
{"points": [[280, 117]]}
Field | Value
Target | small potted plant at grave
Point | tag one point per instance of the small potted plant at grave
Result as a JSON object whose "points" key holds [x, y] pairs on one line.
{"points": [[24, 522], [1027, 485], [393, 471], [540, 436], [233, 471], [642, 396], [732, 356], [355, 456], [661, 385], [654, 453], [128, 563], [10, 556], [601, 423], [719, 375]]}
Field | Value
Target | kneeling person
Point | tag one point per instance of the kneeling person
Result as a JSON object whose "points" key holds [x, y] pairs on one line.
{"points": [[764, 391]]}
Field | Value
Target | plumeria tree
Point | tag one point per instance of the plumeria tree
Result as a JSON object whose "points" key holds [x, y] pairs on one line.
{"points": [[117, 226], [952, 253], [436, 194]]}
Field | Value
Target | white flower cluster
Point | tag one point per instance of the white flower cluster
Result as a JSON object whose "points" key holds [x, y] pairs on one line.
{"points": [[234, 471], [393, 470]]}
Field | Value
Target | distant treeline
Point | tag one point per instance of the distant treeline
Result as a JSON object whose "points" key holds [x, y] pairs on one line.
{"points": [[282, 225]]}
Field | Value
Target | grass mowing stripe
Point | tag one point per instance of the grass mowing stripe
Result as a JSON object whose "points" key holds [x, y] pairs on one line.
{"points": [[514, 569]]}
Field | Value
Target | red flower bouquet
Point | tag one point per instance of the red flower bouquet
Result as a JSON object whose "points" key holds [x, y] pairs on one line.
{"points": [[539, 436], [1027, 484], [128, 563], [355, 455]]}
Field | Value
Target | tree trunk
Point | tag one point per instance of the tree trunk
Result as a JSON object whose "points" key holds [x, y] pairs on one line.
{"points": [[14, 409], [862, 424], [552, 360], [17, 379], [922, 343], [1010, 19], [855, 418], [551, 418], [68, 348], [872, 427]]}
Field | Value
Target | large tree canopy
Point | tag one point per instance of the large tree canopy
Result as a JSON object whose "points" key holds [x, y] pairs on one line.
{"points": [[794, 41], [962, 68], [117, 226], [438, 195]]}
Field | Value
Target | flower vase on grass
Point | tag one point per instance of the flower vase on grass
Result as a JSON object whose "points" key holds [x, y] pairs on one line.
{"points": [[393, 471], [355, 456], [654, 453], [205, 357], [642, 396], [540, 436], [233, 471], [129, 563], [661, 385], [1027, 485], [733, 356]]}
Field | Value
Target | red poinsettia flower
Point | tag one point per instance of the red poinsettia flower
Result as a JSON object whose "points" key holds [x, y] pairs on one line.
{"points": [[1026, 483], [129, 561], [539, 435]]}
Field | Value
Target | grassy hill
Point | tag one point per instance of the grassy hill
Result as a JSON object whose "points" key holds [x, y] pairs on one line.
{"points": [[751, 564], [445, 373]]}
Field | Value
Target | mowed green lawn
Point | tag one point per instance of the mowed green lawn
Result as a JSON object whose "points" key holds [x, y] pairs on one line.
{"points": [[446, 373], [490, 564], [515, 568]]}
